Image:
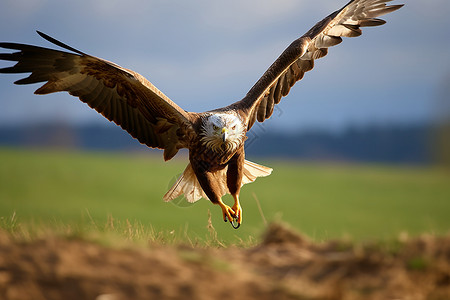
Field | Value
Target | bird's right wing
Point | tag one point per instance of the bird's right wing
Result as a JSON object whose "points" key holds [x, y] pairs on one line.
{"points": [[298, 58], [120, 95]]}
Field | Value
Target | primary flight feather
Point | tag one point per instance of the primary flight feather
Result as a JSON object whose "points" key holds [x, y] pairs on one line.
{"points": [[215, 138]]}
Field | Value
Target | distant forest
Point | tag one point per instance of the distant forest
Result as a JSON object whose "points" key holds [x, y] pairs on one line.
{"points": [[400, 144]]}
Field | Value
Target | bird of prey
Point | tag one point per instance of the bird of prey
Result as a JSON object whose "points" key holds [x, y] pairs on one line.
{"points": [[215, 139]]}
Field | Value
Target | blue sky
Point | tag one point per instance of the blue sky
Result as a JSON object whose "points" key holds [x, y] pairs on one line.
{"points": [[206, 54]]}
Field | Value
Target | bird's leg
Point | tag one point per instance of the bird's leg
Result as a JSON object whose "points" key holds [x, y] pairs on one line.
{"points": [[234, 182], [211, 188], [237, 209]]}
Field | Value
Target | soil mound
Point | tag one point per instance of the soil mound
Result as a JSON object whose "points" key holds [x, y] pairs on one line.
{"points": [[285, 265]]}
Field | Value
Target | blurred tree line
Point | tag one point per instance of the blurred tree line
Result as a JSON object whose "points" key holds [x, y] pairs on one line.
{"points": [[442, 129]]}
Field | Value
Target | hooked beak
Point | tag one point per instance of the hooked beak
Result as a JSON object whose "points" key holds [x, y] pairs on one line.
{"points": [[224, 134]]}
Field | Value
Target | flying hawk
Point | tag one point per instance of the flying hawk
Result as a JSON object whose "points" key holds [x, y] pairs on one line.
{"points": [[215, 138]]}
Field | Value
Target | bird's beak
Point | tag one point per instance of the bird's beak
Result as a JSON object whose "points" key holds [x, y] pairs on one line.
{"points": [[224, 134]]}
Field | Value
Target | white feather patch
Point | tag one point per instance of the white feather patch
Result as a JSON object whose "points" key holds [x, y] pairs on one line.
{"points": [[325, 41], [342, 30]]}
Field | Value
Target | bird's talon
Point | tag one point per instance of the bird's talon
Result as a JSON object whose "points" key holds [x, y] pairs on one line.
{"points": [[235, 223], [238, 215], [228, 213]]}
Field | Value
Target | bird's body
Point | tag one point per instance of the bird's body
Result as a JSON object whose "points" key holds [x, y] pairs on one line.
{"points": [[215, 139]]}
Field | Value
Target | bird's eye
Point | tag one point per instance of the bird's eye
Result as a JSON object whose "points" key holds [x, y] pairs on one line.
{"points": [[215, 127]]}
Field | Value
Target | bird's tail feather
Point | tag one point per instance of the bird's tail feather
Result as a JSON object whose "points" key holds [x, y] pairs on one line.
{"points": [[188, 184]]}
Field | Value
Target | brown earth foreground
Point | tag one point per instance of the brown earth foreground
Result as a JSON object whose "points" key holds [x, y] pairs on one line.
{"points": [[284, 266]]}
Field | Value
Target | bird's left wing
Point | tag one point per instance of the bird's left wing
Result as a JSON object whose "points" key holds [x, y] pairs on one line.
{"points": [[298, 58], [120, 95]]}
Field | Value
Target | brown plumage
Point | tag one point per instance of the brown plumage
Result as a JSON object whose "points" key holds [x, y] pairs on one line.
{"points": [[216, 138]]}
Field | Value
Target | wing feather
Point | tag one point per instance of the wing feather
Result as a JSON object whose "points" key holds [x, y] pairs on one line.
{"points": [[299, 56], [120, 95], [262, 109]]}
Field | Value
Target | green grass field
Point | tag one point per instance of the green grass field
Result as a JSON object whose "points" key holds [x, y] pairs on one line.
{"points": [[323, 201]]}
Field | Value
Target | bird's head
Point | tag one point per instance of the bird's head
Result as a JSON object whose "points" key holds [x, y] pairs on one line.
{"points": [[223, 132]]}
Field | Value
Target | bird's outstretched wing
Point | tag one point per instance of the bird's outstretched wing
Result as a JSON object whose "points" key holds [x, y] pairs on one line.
{"points": [[299, 57], [121, 95]]}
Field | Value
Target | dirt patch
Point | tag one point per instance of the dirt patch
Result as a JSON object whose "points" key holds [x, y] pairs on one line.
{"points": [[284, 266]]}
